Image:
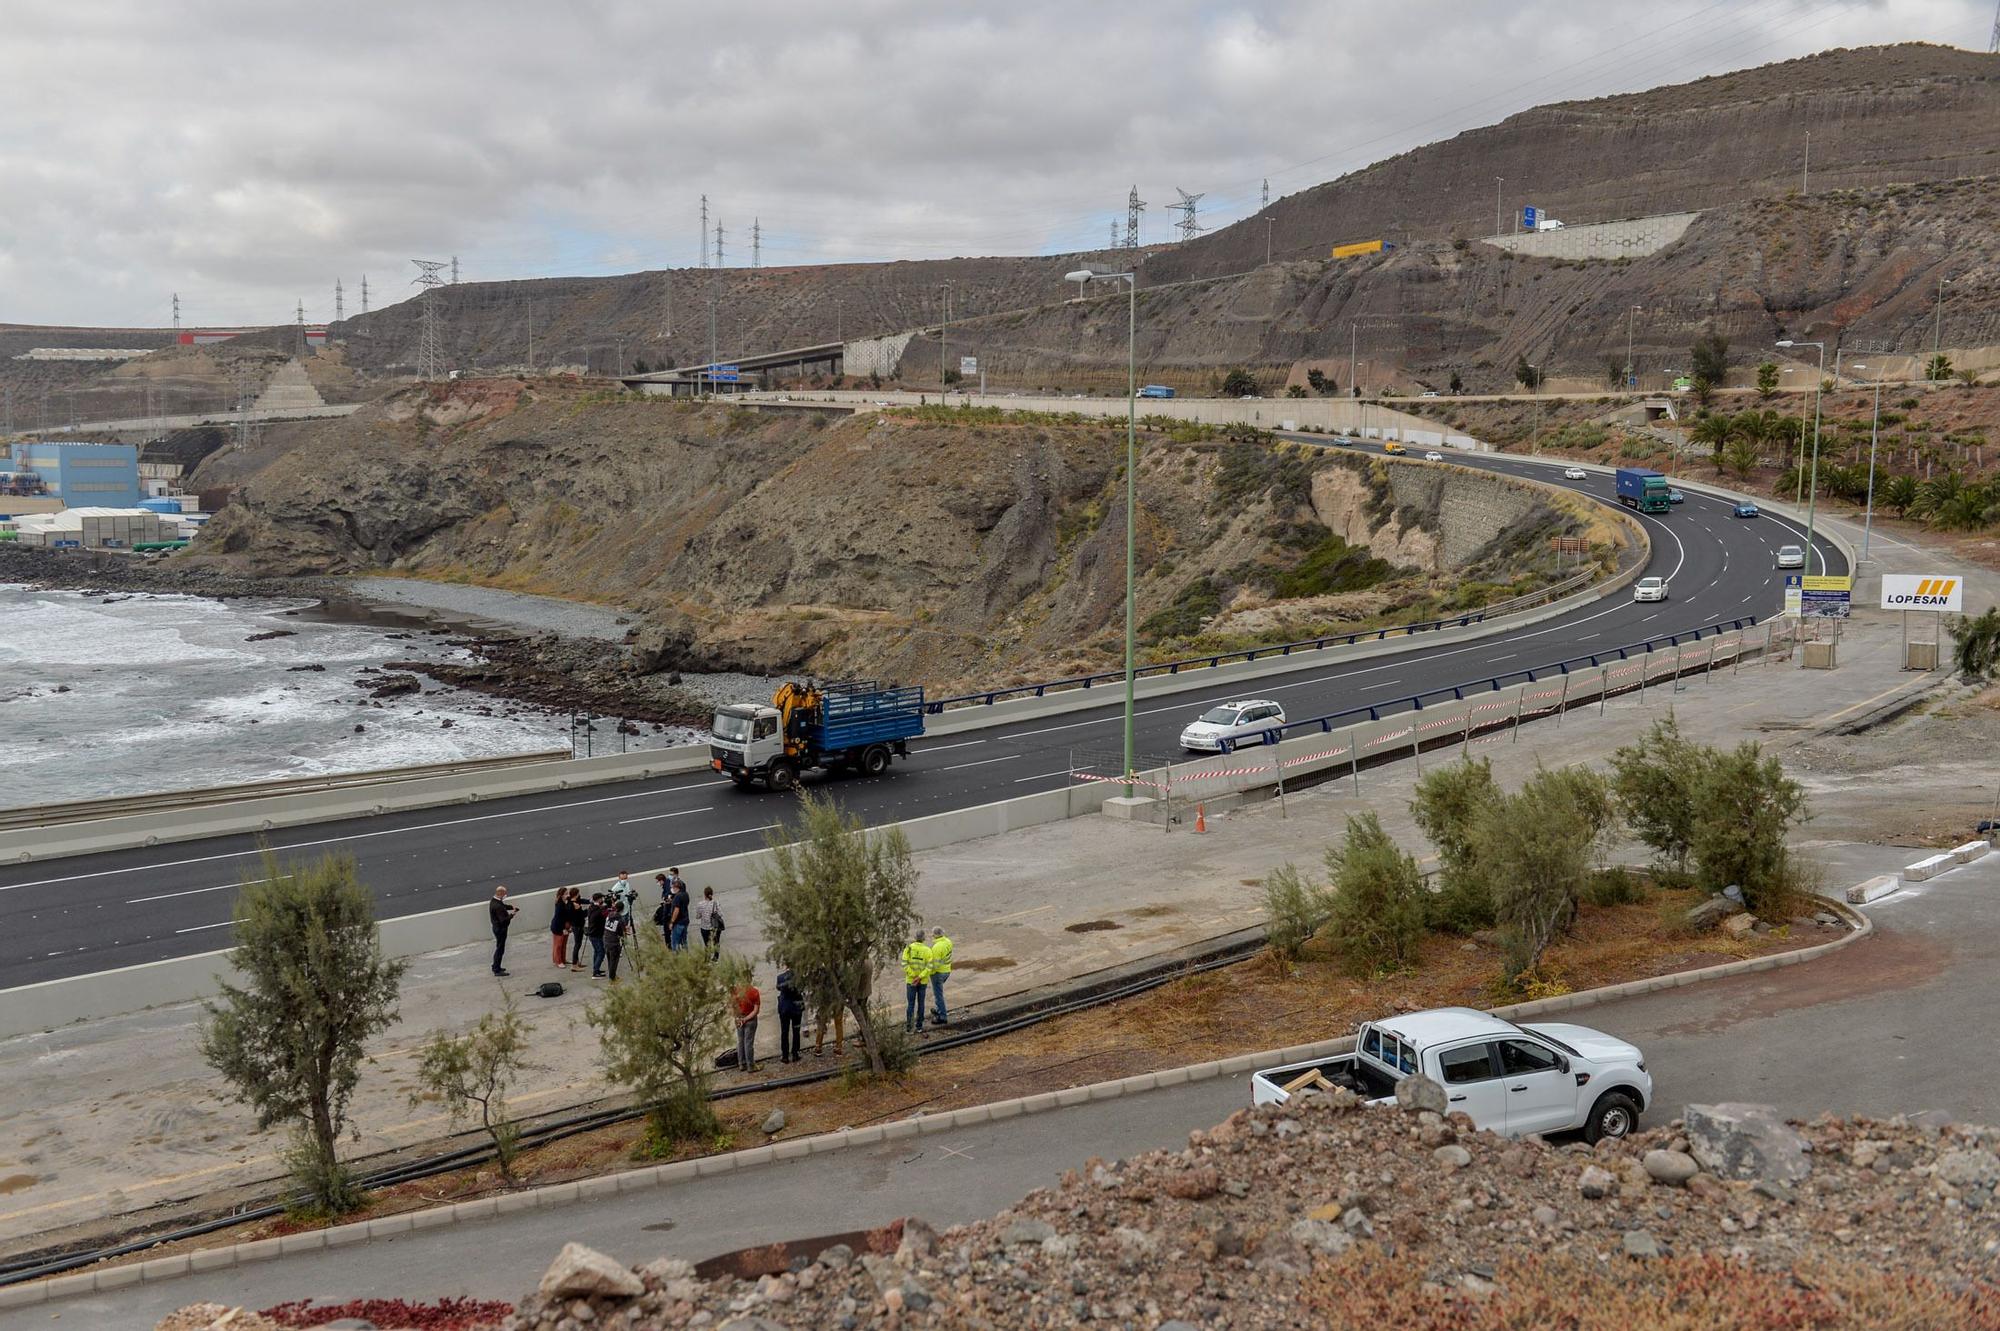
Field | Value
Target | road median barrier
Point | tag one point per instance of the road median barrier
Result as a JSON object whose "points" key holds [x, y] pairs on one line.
{"points": [[1970, 851], [104, 1279]]}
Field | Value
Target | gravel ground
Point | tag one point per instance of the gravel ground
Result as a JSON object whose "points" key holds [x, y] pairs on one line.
{"points": [[546, 614]]}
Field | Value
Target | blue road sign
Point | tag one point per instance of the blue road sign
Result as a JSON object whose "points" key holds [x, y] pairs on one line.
{"points": [[1528, 216]]}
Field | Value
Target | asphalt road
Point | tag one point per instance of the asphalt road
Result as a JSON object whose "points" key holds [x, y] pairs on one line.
{"points": [[85, 914], [1876, 1029]]}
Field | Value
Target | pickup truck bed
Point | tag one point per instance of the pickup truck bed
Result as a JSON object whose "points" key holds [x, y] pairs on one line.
{"points": [[1341, 1070]]}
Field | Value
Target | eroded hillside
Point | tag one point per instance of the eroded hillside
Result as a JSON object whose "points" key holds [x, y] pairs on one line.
{"points": [[932, 546]]}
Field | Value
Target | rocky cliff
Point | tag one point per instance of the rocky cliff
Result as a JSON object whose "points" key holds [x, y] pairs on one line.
{"points": [[926, 546]]}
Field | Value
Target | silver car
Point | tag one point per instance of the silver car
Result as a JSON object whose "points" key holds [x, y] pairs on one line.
{"points": [[1791, 556], [1236, 722]]}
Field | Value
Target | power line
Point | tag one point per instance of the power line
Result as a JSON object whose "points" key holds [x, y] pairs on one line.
{"points": [[701, 245], [718, 242], [1134, 205], [177, 311], [756, 242], [1112, 244], [364, 293], [429, 343], [454, 270], [339, 302], [1266, 201]]}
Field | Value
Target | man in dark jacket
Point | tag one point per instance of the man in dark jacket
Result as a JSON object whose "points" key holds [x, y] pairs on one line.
{"points": [[593, 929], [502, 916]]}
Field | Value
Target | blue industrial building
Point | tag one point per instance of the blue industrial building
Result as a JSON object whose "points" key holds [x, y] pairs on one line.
{"points": [[82, 475]]}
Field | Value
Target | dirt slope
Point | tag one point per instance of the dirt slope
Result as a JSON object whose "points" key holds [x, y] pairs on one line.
{"points": [[917, 546]]}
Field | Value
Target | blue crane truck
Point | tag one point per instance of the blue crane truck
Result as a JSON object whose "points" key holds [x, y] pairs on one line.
{"points": [[1644, 489], [852, 725]]}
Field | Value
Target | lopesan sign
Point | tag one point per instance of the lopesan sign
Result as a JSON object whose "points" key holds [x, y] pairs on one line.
{"points": [[1922, 591]]}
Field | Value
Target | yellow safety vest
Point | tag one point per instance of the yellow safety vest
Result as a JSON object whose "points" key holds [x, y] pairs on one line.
{"points": [[916, 963], [941, 956]]}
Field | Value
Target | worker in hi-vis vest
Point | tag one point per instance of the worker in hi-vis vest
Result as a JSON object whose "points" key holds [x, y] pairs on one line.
{"points": [[916, 978], [940, 972]]}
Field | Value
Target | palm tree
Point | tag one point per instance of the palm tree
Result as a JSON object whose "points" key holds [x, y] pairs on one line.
{"points": [[1899, 493], [1713, 431]]}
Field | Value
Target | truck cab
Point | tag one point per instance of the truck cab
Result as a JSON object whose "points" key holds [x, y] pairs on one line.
{"points": [[745, 735], [1540, 1078]]}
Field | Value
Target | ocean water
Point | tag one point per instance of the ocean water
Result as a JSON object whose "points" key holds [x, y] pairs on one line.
{"points": [[117, 695]]}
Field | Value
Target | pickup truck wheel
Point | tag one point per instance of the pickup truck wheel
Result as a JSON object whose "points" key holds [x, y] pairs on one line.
{"points": [[1615, 1114], [875, 760], [783, 776]]}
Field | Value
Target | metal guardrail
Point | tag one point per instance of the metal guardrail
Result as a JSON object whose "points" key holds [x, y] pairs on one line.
{"points": [[1492, 684], [990, 696], [116, 806]]}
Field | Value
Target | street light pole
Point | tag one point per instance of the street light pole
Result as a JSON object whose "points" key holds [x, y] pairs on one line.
{"points": [[1812, 492], [1083, 277], [1499, 209], [1937, 331]]}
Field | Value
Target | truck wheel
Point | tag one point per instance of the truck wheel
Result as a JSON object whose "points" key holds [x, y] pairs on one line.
{"points": [[783, 776], [1615, 1114], [875, 760]]}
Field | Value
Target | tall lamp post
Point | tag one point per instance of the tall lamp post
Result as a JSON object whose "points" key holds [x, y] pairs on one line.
{"points": [[1812, 500], [1628, 344], [1937, 329], [1874, 434], [1083, 277]]}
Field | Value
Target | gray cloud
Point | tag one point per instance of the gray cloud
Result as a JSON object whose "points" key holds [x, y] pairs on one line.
{"points": [[247, 154]]}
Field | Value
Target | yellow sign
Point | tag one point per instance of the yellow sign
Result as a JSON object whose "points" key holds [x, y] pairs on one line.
{"points": [[1358, 247], [1825, 583]]}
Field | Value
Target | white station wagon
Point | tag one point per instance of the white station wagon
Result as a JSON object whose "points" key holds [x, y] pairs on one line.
{"points": [[1244, 719]]}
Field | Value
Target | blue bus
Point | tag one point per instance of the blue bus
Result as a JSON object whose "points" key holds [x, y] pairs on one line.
{"points": [[1156, 390]]}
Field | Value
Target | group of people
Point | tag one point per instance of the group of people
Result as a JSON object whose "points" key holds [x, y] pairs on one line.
{"points": [[608, 922]]}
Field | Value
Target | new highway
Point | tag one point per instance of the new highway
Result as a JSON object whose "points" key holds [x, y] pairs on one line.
{"points": [[80, 915]]}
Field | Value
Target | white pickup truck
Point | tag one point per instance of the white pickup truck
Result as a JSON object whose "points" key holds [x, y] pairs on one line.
{"points": [[1545, 1077]]}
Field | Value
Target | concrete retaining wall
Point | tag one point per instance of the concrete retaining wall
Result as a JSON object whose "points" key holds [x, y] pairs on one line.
{"points": [[874, 355], [1631, 239]]}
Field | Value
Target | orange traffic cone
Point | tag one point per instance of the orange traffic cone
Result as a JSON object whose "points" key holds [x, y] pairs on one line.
{"points": [[1200, 819]]}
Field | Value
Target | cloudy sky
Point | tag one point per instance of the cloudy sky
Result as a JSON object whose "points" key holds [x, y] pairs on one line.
{"points": [[247, 154]]}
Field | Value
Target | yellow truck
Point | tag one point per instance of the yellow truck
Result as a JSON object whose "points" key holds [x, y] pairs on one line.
{"points": [[1361, 247], [1392, 447]]}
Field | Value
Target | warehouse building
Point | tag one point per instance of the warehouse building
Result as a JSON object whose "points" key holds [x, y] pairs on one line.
{"points": [[96, 475]]}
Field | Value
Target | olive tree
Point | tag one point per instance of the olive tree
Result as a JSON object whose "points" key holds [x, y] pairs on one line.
{"points": [[1538, 846], [837, 902], [660, 1031], [1447, 803], [1745, 807], [1658, 785], [472, 1073], [290, 1034], [1377, 905], [1294, 909]]}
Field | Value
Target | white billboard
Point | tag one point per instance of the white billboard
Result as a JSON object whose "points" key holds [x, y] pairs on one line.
{"points": [[1922, 591], [968, 365]]}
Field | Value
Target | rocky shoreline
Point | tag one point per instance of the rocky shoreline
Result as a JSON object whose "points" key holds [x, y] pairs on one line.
{"points": [[545, 670]]}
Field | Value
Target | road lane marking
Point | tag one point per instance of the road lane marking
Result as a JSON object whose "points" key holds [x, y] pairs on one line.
{"points": [[191, 892], [717, 836], [940, 748], [197, 928], [1043, 776], [655, 817], [982, 762]]}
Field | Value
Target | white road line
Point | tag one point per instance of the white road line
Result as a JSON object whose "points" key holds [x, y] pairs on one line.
{"points": [[717, 836], [940, 748], [1041, 777], [191, 892], [655, 817], [195, 929], [959, 767], [334, 841], [1385, 684]]}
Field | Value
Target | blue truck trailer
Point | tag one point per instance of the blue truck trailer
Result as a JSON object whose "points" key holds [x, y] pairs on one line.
{"points": [[852, 725], [1644, 489]]}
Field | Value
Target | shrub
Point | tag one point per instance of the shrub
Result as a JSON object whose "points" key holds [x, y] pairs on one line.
{"points": [[1334, 566], [1614, 886], [1294, 910], [1196, 604], [1656, 782], [1447, 803], [1377, 907], [1976, 645], [1536, 847], [472, 1073], [1745, 805], [659, 1033]]}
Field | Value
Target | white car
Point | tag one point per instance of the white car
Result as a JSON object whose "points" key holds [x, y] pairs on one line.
{"points": [[1428, 393], [1236, 722], [1650, 589], [1574, 473], [1543, 1077], [1791, 556], [1434, 457]]}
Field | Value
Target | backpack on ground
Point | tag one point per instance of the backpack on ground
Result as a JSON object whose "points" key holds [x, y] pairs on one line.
{"points": [[549, 989]]}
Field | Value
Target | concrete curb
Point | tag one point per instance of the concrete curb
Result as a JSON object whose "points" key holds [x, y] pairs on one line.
{"points": [[562, 1194]]}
